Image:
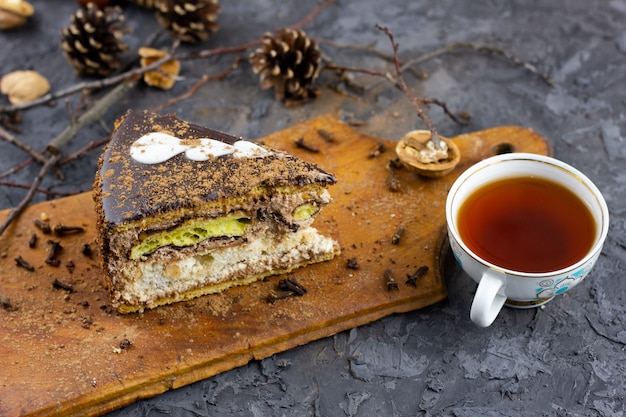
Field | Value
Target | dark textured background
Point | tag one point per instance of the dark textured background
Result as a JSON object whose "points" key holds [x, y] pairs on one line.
{"points": [[566, 359]]}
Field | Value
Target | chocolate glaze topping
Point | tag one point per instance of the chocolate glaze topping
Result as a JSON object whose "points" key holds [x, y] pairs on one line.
{"points": [[131, 191]]}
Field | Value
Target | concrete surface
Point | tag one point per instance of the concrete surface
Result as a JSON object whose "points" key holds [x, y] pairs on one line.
{"points": [[566, 359]]}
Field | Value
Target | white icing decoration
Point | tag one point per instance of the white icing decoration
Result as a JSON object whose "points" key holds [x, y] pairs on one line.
{"points": [[157, 147]]}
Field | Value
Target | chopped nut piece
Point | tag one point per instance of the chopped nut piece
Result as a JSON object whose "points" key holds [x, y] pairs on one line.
{"points": [[165, 76]]}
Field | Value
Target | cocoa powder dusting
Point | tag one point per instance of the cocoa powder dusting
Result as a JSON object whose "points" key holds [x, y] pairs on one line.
{"points": [[130, 190]]}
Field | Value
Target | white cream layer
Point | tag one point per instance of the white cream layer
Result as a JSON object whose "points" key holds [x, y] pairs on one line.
{"points": [[157, 147]]}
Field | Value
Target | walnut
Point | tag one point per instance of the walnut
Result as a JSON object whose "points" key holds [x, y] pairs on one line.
{"points": [[163, 77], [13, 13], [417, 151], [24, 86]]}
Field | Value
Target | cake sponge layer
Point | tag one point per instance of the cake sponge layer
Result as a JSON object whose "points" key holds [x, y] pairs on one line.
{"points": [[142, 285]]}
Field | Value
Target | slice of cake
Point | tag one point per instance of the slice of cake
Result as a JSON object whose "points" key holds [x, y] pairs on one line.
{"points": [[184, 211]]}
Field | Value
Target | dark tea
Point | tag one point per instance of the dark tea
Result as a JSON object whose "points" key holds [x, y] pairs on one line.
{"points": [[526, 224]]}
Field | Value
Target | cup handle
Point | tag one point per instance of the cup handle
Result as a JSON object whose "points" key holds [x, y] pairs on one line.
{"points": [[488, 301]]}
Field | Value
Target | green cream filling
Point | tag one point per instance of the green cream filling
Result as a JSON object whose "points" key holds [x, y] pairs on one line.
{"points": [[192, 232], [195, 231], [304, 211]]}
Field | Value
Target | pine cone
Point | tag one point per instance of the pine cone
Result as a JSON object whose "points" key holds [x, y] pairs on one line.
{"points": [[289, 62], [92, 41], [146, 4], [190, 21]]}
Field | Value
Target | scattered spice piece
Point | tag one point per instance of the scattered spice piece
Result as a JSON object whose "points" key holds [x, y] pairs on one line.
{"points": [[290, 287], [300, 143], [395, 239], [290, 284], [32, 242], [352, 263], [70, 266], [22, 263], [6, 304], [275, 296], [392, 285], [43, 226], [419, 272], [87, 250], [393, 180], [55, 250], [326, 135], [62, 230], [61, 286], [377, 151], [86, 320], [125, 344]]}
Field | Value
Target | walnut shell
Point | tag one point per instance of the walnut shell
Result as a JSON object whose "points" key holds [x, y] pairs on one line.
{"points": [[13, 13], [409, 154], [24, 86]]}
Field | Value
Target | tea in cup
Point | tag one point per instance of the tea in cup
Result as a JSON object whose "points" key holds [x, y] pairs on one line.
{"points": [[526, 227]]}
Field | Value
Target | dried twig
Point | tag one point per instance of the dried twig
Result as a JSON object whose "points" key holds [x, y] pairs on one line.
{"points": [[91, 115], [312, 14], [55, 144], [203, 80], [28, 186], [417, 102], [50, 163], [23, 146], [448, 49]]}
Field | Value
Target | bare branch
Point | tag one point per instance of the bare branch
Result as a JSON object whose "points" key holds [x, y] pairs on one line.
{"points": [[203, 80], [94, 113], [400, 82], [15, 212], [312, 14], [23, 146]]}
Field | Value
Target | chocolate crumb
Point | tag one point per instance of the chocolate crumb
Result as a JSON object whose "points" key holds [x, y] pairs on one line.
{"points": [[300, 143], [6, 304], [125, 344], [86, 320], [352, 263], [23, 264], [377, 151], [87, 250]]}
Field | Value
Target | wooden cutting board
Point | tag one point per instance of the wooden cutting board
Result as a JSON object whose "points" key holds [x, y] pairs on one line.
{"points": [[66, 352]]}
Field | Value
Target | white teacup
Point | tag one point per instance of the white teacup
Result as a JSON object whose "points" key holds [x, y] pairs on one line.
{"points": [[497, 285]]}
